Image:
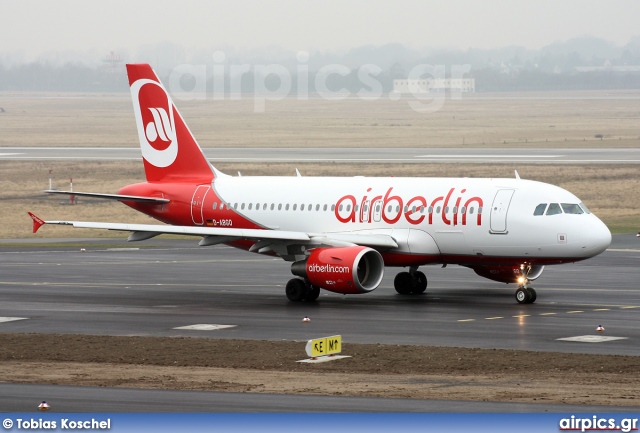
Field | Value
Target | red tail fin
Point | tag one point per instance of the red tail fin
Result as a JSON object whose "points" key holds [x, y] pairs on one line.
{"points": [[169, 151]]}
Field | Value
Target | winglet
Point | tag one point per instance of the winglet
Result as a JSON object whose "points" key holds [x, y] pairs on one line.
{"points": [[37, 222]]}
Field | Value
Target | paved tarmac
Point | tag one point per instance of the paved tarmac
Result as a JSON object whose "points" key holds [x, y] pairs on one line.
{"points": [[162, 284], [368, 155], [25, 398]]}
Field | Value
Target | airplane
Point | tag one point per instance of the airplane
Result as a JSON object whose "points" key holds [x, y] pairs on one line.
{"points": [[339, 233]]}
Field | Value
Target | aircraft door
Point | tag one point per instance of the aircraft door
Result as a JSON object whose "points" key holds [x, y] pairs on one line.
{"points": [[499, 210], [365, 211], [197, 211], [377, 210]]}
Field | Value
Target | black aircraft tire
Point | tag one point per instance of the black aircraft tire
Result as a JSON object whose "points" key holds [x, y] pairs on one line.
{"points": [[522, 295], [296, 290], [313, 293], [532, 295], [403, 283], [419, 283]]}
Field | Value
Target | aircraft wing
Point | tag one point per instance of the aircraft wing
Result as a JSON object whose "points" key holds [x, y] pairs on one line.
{"points": [[119, 197], [215, 235]]}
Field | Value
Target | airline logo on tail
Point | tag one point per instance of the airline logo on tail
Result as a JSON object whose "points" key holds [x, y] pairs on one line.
{"points": [[155, 120]]}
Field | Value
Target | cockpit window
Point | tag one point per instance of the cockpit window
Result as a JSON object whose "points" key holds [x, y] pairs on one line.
{"points": [[571, 208], [540, 209], [584, 208], [554, 209]]}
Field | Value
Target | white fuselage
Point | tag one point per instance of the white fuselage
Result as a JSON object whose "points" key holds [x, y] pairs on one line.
{"points": [[453, 217]]}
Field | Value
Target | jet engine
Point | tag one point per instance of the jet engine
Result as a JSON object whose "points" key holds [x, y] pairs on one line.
{"points": [[509, 274], [347, 270]]}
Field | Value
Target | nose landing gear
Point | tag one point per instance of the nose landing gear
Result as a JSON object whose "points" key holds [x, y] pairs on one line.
{"points": [[525, 295]]}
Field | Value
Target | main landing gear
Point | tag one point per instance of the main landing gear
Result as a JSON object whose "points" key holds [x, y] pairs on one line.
{"points": [[413, 282], [298, 290]]}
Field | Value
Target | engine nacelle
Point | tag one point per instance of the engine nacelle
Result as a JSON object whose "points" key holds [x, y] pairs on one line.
{"points": [[508, 274], [347, 270]]}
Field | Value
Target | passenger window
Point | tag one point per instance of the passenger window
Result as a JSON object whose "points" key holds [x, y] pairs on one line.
{"points": [[554, 209], [272, 206], [250, 204], [242, 207], [215, 205], [430, 209], [286, 207], [295, 206], [318, 207], [301, 207], [479, 210], [571, 208], [471, 210], [438, 209], [333, 207], [280, 206], [324, 208], [540, 209], [264, 206]]}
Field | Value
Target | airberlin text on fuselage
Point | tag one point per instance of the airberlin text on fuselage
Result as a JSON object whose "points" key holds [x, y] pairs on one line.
{"points": [[365, 212]]}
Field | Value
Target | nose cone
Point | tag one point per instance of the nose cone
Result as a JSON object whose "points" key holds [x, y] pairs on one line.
{"points": [[598, 238]]}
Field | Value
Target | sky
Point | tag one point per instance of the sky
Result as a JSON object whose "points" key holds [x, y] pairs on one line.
{"points": [[32, 27]]}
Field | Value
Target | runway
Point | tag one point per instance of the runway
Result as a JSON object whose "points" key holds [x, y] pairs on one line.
{"points": [[163, 284], [350, 155]]}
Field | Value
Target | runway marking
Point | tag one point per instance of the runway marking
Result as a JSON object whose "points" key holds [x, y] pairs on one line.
{"points": [[489, 156], [11, 319], [627, 307], [592, 338], [205, 327]]}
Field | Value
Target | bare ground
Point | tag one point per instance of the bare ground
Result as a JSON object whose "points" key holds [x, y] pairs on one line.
{"points": [[271, 367]]}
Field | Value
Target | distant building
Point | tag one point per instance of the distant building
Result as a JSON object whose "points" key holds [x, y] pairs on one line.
{"points": [[430, 85]]}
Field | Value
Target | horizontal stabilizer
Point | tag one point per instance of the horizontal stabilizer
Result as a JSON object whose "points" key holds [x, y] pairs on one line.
{"points": [[119, 197]]}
